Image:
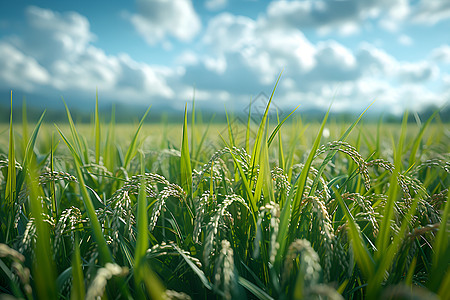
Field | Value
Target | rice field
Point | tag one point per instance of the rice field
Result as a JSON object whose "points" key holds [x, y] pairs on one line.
{"points": [[285, 210]]}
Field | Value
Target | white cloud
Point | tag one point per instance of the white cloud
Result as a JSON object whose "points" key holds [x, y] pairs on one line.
{"points": [[215, 4], [249, 54], [345, 17], [19, 70], [334, 62], [431, 12], [236, 57], [417, 72], [56, 54], [264, 50], [405, 40], [158, 19], [375, 62], [441, 54]]}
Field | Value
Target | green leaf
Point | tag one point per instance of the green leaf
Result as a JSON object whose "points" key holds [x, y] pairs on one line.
{"points": [[31, 142], [110, 147], [362, 254], [97, 130], [186, 171], [131, 152], [254, 289], [44, 271], [78, 289], [247, 130], [441, 255], [281, 161], [301, 182], [194, 268], [259, 136], [274, 132], [142, 225], [79, 147], [383, 239], [415, 147], [264, 180], [10, 192]]}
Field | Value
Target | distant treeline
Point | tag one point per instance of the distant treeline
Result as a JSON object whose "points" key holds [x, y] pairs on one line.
{"points": [[130, 114]]}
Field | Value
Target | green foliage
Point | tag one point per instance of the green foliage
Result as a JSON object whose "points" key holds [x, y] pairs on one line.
{"points": [[243, 217]]}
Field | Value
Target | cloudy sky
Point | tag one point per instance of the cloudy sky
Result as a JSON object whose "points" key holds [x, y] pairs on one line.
{"points": [[156, 51]]}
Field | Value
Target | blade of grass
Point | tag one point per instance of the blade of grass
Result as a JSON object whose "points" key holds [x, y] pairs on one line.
{"points": [[281, 161], [52, 183], [131, 152], [44, 271], [82, 155], [384, 261], [186, 171], [142, 228], [97, 129], [230, 130], [247, 130], [110, 157], [444, 290], [155, 289], [194, 268], [415, 147], [362, 255], [383, 239], [274, 132], [258, 140], [254, 289], [301, 182], [264, 180], [77, 291], [192, 152], [24, 126], [31, 142], [202, 140], [10, 192], [441, 255]]}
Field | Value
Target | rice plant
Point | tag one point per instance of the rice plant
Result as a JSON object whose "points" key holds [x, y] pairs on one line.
{"points": [[279, 214]]}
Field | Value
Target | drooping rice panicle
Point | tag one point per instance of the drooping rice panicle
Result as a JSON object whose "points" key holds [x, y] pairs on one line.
{"points": [[216, 222], [17, 267], [201, 206], [97, 286], [320, 232], [351, 151], [69, 221], [302, 257], [224, 279]]}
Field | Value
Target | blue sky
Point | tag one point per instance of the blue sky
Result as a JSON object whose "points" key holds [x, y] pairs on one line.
{"points": [[156, 52]]}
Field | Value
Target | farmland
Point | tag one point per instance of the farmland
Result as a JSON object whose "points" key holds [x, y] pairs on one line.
{"points": [[251, 210]]}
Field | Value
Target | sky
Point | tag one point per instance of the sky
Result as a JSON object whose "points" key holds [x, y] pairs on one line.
{"points": [[227, 52]]}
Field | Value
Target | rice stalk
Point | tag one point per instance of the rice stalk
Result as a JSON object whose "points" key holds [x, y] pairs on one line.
{"points": [[171, 190], [320, 232], [224, 278], [69, 221], [18, 269], [215, 223], [271, 214], [201, 206], [303, 261], [351, 151], [97, 286]]}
